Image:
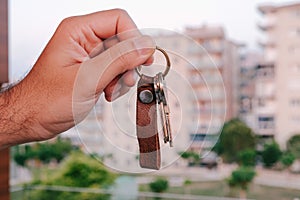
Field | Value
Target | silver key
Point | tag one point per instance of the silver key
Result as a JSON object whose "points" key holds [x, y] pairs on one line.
{"points": [[160, 92]]}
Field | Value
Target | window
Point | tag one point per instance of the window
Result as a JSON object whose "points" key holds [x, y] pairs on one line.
{"points": [[296, 68], [261, 102], [293, 49], [295, 119], [296, 13], [197, 137], [266, 122], [295, 102], [295, 32]]}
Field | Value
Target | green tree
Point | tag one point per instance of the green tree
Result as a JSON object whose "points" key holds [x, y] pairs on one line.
{"points": [[287, 159], [235, 137], [45, 152], [271, 154], [79, 170], [293, 145], [159, 185], [247, 157], [241, 178]]}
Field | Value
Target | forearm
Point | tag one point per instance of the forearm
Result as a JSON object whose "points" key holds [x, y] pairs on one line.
{"points": [[16, 118]]}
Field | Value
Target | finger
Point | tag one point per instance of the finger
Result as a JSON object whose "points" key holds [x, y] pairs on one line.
{"points": [[125, 56], [129, 78], [112, 90], [90, 30], [111, 22], [149, 61], [126, 80], [109, 42], [103, 46], [96, 74], [120, 85]]}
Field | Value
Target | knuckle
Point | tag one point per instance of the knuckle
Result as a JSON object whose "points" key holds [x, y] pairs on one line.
{"points": [[69, 22], [124, 60], [125, 54], [121, 12]]}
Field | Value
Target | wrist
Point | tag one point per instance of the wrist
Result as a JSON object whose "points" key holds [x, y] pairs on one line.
{"points": [[17, 117]]}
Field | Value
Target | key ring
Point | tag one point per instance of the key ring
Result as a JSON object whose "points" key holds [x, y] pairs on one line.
{"points": [[138, 69]]}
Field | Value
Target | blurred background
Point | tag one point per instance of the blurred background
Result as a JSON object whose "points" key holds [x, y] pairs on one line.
{"points": [[251, 150]]}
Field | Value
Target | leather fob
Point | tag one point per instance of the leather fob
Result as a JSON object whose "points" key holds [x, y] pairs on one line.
{"points": [[146, 126]]}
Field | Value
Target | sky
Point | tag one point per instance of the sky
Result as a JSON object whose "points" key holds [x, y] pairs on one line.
{"points": [[32, 22]]}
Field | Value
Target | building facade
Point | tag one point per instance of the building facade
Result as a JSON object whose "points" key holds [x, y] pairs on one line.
{"points": [[279, 72], [218, 64]]}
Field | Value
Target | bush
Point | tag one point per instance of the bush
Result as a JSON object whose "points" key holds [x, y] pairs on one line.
{"points": [[192, 157], [293, 145], [287, 159], [159, 185], [271, 154], [20, 159], [247, 157], [242, 177], [78, 170]]}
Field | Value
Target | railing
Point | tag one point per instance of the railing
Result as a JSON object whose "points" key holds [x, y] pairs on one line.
{"points": [[104, 191]]}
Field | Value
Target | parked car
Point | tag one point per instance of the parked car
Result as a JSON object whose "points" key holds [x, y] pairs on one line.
{"points": [[209, 160]]}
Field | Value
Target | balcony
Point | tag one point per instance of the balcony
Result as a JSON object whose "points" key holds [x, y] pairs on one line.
{"points": [[265, 71], [213, 46], [206, 63], [203, 140], [266, 24], [267, 43], [265, 132]]}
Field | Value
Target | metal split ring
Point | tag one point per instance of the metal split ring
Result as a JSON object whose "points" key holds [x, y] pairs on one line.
{"points": [[168, 66]]}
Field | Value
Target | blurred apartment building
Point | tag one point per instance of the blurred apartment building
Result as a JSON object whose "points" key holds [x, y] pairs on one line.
{"points": [[277, 84], [218, 66]]}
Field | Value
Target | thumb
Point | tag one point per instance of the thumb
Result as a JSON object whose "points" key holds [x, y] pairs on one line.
{"points": [[121, 57]]}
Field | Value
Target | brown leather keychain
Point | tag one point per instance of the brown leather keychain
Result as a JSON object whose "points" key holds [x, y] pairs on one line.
{"points": [[150, 94], [146, 124]]}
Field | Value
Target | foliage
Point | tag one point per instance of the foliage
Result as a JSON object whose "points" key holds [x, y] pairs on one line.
{"points": [[293, 145], [191, 156], [188, 182], [247, 157], [45, 152], [159, 185], [241, 177], [235, 137], [287, 159], [78, 170], [20, 159], [271, 154]]}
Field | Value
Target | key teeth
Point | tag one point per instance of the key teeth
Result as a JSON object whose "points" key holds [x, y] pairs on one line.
{"points": [[166, 139]]}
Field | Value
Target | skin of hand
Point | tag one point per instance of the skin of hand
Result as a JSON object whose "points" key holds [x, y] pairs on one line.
{"points": [[86, 56]]}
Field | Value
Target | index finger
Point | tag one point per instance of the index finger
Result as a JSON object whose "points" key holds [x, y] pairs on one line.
{"points": [[108, 23]]}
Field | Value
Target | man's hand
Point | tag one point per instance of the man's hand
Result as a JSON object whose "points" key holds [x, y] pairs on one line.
{"points": [[86, 56]]}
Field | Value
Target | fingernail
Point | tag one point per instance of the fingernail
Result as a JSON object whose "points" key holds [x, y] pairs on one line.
{"points": [[144, 45]]}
